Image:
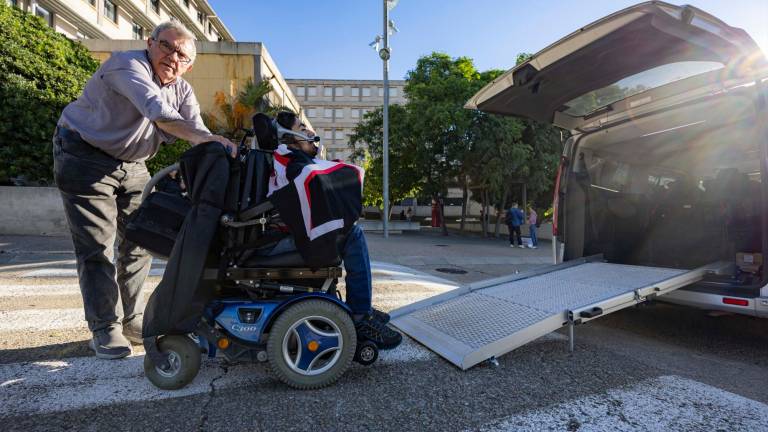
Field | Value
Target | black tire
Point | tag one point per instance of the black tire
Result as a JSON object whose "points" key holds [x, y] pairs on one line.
{"points": [[185, 363], [283, 345], [367, 353]]}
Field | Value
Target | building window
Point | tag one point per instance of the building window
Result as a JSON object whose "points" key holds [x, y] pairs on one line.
{"points": [[366, 91], [355, 91], [339, 91], [328, 113], [312, 112], [14, 3], [339, 134], [354, 113], [381, 91], [138, 31], [44, 14], [110, 11], [327, 91], [311, 91], [392, 92], [300, 91], [210, 28], [327, 134], [339, 113], [155, 4], [91, 2], [200, 17], [186, 4]]}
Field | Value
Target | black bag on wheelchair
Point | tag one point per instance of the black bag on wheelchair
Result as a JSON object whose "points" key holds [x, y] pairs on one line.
{"points": [[156, 223]]}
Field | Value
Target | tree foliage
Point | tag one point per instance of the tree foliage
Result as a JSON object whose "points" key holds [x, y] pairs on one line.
{"points": [[436, 144], [367, 145], [41, 71]]}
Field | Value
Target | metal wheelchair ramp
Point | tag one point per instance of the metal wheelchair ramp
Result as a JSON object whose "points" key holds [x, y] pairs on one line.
{"points": [[485, 320]]}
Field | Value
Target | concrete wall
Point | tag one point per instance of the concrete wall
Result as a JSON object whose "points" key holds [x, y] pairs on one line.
{"points": [[219, 67], [31, 211]]}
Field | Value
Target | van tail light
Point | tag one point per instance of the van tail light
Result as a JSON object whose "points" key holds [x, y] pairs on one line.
{"points": [[735, 301], [556, 199]]}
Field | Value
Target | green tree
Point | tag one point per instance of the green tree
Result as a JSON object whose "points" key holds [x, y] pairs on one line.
{"points": [[367, 146], [41, 71]]}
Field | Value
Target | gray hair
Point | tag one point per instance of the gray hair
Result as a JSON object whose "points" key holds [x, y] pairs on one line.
{"points": [[180, 29]]}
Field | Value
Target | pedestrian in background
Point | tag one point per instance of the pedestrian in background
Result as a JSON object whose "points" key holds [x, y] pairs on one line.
{"points": [[515, 218], [532, 221]]}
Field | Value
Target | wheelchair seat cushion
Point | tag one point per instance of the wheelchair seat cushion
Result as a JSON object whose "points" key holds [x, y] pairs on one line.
{"points": [[285, 260]]}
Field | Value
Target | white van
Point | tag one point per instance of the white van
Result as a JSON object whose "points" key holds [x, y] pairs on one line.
{"points": [[667, 162]]}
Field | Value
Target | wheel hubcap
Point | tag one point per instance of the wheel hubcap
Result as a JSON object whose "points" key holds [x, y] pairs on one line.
{"points": [[174, 360], [312, 345], [366, 354]]}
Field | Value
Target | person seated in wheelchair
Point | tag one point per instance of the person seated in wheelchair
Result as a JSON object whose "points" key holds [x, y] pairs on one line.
{"points": [[297, 143]]}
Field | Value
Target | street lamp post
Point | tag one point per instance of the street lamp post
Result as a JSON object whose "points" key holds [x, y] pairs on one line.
{"points": [[384, 54]]}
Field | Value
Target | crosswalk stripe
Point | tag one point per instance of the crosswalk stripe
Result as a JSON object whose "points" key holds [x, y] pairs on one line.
{"points": [[675, 403], [14, 290], [41, 319], [61, 385]]}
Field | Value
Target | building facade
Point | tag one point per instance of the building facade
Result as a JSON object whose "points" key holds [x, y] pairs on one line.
{"points": [[335, 107], [126, 19], [220, 67]]}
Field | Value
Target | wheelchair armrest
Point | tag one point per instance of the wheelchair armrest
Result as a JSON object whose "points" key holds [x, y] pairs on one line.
{"points": [[256, 210]]}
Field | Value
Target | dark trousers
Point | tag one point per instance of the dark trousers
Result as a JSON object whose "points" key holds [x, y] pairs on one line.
{"points": [[514, 230], [99, 192]]}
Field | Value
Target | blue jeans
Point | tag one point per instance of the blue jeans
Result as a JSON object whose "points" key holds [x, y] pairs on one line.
{"points": [[534, 240], [354, 252]]}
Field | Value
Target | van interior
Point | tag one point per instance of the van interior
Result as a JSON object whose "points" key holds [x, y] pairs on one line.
{"points": [[679, 188]]}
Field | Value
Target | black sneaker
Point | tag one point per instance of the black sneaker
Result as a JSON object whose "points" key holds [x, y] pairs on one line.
{"points": [[380, 316], [109, 343], [371, 329]]}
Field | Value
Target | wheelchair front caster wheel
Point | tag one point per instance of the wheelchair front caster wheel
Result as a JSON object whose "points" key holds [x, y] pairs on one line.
{"points": [[184, 359], [367, 353]]}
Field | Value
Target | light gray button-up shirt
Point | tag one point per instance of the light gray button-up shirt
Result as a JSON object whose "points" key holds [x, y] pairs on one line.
{"points": [[121, 103]]}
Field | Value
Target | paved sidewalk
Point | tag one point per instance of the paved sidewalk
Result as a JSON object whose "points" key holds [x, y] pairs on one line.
{"points": [[460, 258]]}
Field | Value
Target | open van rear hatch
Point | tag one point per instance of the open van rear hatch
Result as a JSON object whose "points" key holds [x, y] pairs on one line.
{"points": [[626, 53]]}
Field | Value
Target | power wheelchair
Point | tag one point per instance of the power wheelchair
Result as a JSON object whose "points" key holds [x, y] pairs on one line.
{"points": [[267, 308]]}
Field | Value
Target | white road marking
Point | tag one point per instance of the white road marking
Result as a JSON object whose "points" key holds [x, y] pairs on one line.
{"points": [[72, 273], [660, 404], [51, 289], [52, 386], [42, 319]]}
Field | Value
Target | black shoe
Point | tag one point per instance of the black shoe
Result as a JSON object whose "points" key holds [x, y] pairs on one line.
{"points": [[380, 316], [371, 329], [109, 343]]}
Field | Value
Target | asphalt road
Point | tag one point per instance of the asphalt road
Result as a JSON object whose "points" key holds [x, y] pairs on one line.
{"points": [[656, 367]]}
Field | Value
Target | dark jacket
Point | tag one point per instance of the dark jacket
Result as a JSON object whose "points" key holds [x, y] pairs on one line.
{"points": [[176, 305]]}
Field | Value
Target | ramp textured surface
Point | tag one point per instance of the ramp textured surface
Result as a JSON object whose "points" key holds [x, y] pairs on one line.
{"points": [[473, 325]]}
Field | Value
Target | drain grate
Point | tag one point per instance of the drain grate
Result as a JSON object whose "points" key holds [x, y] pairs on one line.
{"points": [[451, 270]]}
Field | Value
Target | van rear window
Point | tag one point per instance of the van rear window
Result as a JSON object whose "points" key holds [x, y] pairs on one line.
{"points": [[637, 83]]}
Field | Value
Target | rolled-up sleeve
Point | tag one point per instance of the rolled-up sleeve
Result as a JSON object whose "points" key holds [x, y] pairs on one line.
{"points": [[134, 82]]}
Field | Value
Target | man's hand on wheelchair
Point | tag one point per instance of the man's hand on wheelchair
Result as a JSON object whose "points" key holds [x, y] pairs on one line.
{"points": [[229, 145]]}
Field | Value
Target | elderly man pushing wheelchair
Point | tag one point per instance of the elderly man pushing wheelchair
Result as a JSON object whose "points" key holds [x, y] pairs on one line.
{"points": [[135, 102]]}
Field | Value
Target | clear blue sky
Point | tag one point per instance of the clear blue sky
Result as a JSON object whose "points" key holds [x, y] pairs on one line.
{"points": [[329, 38]]}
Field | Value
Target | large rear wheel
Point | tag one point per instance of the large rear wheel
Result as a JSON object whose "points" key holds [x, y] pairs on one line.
{"points": [[311, 344]]}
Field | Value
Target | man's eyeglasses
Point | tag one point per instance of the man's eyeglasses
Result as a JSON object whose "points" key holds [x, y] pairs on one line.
{"points": [[169, 49]]}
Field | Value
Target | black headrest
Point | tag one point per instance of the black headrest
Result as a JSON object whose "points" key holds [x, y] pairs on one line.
{"points": [[265, 131]]}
